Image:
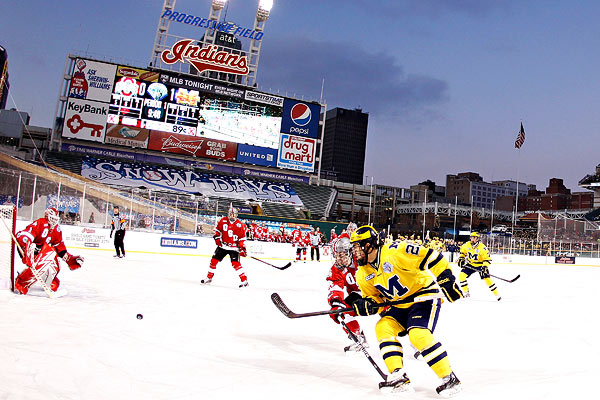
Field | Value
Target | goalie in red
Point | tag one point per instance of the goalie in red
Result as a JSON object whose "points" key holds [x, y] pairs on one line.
{"points": [[230, 236], [31, 240], [343, 290]]}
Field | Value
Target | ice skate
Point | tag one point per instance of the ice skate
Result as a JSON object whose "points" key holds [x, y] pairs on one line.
{"points": [[397, 382], [206, 281], [244, 284], [450, 387], [355, 347]]}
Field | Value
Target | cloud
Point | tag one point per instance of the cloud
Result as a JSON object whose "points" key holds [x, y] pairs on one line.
{"points": [[354, 78], [427, 8]]}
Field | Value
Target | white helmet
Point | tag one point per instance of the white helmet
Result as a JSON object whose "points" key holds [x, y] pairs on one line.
{"points": [[232, 212], [351, 228], [52, 217], [342, 251]]}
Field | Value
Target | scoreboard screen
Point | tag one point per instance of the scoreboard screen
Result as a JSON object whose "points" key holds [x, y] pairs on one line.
{"points": [[195, 107]]}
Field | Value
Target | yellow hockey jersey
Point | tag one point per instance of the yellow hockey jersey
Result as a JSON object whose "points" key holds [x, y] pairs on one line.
{"points": [[401, 272], [477, 255]]}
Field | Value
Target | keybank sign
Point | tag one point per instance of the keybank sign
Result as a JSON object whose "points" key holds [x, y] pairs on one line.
{"points": [[257, 155]]}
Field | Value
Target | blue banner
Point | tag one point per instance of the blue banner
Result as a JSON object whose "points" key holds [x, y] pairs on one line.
{"points": [[207, 184], [300, 118], [257, 155]]}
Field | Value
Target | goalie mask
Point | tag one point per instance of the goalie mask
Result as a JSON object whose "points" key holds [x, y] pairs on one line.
{"points": [[342, 251], [52, 217], [232, 214]]}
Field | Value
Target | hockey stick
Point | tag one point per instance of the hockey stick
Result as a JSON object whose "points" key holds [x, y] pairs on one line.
{"points": [[495, 276], [271, 265], [290, 314], [34, 271], [365, 352]]}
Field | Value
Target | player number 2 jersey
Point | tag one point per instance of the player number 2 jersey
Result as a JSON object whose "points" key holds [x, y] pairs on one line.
{"points": [[401, 273]]}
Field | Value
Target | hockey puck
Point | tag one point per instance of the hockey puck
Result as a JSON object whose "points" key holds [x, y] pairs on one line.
{"points": [[140, 316]]}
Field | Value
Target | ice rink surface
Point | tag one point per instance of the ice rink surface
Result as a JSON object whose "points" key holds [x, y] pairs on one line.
{"points": [[221, 342]]}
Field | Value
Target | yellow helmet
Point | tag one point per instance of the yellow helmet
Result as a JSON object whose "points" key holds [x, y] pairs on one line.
{"points": [[475, 234], [365, 234]]}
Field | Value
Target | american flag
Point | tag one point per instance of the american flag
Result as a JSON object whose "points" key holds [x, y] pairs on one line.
{"points": [[520, 138]]}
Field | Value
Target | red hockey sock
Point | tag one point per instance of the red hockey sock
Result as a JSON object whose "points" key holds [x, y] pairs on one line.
{"points": [[238, 267], [353, 326], [212, 268]]}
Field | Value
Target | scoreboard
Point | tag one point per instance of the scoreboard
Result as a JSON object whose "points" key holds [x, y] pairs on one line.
{"points": [[155, 106], [169, 112]]}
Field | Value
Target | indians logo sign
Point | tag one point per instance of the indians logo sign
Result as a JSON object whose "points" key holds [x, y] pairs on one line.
{"points": [[205, 58]]}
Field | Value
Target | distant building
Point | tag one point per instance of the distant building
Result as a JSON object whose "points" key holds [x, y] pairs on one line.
{"points": [[556, 197], [469, 188], [344, 144], [4, 85]]}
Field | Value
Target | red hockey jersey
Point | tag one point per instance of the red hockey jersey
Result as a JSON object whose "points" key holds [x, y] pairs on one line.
{"points": [[230, 235], [343, 283], [39, 232]]}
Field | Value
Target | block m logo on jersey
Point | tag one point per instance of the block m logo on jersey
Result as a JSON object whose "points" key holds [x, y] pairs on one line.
{"points": [[394, 289]]}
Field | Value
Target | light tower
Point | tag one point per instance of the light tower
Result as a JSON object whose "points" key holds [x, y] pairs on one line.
{"points": [[164, 40], [262, 15]]}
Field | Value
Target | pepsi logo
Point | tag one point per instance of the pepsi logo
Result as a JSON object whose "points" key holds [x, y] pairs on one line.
{"points": [[300, 114]]}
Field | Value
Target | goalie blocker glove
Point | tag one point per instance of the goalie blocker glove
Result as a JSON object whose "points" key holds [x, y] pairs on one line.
{"points": [[72, 261], [365, 306], [448, 285]]}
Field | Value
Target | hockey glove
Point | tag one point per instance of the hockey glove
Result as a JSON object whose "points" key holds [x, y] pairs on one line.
{"points": [[485, 272], [461, 262], [337, 304], [218, 242], [74, 262], [243, 252], [365, 306], [448, 285], [352, 297]]}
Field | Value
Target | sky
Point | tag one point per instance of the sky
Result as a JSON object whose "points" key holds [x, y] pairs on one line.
{"points": [[446, 83], [222, 342]]}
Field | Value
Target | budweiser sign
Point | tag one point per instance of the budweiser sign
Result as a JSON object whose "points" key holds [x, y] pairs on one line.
{"points": [[205, 58], [188, 146], [192, 145]]}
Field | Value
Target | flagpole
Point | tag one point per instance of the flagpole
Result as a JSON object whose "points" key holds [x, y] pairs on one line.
{"points": [[517, 196], [518, 143]]}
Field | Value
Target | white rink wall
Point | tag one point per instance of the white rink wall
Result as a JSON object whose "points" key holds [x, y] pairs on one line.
{"points": [[168, 243], [80, 237]]}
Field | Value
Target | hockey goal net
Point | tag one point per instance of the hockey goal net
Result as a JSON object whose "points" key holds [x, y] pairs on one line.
{"points": [[8, 214]]}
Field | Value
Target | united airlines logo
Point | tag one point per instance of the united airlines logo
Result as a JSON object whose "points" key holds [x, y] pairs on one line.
{"points": [[300, 114]]}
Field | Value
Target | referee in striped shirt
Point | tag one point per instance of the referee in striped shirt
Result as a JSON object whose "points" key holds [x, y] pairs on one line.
{"points": [[118, 226]]}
